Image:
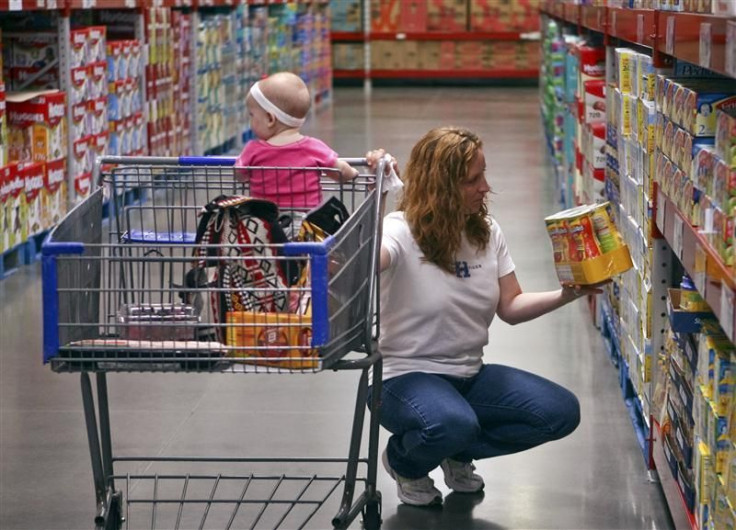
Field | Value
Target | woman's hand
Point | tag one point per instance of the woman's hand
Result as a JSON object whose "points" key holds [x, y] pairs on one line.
{"points": [[572, 292], [373, 156]]}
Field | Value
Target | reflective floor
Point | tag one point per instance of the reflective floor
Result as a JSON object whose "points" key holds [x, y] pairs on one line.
{"points": [[594, 479]]}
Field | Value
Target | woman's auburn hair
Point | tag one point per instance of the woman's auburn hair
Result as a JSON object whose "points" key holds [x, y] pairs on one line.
{"points": [[432, 199]]}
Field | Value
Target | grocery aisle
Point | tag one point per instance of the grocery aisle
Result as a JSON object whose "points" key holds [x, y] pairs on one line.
{"points": [[594, 479]]}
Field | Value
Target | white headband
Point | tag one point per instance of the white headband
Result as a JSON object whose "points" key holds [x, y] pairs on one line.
{"points": [[266, 105]]}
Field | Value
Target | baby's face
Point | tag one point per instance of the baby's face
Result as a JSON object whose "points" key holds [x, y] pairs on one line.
{"points": [[258, 119]]}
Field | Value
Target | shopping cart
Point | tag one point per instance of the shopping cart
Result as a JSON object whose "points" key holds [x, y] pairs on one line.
{"points": [[136, 295]]}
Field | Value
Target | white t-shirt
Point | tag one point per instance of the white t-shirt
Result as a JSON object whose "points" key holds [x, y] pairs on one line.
{"points": [[431, 320]]}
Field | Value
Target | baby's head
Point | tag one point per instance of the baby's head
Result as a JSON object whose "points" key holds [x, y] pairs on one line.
{"points": [[279, 102]]}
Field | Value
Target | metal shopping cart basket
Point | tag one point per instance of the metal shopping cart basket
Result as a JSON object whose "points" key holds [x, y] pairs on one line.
{"points": [[138, 294]]}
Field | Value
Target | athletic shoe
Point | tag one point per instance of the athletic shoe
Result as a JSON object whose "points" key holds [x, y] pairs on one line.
{"points": [[459, 476], [417, 492]]}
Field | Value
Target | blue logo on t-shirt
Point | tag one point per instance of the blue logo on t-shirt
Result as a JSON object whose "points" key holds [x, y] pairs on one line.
{"points": [[461, 269]]}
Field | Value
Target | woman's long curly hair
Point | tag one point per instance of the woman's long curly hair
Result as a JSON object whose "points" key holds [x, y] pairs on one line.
{"points": [[432, 200]]}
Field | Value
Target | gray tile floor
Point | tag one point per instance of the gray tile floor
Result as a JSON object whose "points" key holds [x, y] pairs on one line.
{"points": [[594, 479]]}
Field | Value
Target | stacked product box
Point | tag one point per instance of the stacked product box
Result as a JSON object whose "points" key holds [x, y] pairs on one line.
{"points": [[321, 56], [282, 54], [181, 118], [37, 194], [159, 84], [590, 129], [689, 169], [243, 38], [552, 86], [88, 103], [347, 15], [31, 61], [127, 128], [504, 15], [570, 127], [215, 89], [714, 426], [630, 143]]}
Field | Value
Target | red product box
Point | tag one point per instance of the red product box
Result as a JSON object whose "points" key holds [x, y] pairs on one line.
{"points": [[33, 184], [413, 16], [79, 47], [55, 193], [595, 101], [4, 194], [97, 80], [96, 43], [78, 88], [37, 126], [96, 110]]}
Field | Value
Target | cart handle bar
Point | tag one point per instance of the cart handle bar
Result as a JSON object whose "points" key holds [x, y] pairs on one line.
{"points": [[223, 161]]}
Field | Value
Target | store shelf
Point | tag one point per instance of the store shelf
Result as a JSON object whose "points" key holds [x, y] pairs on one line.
{"points": [[680, 36], [695, 38], [454, 36], [714, 280], [681, 516], [633, 25], [347, 36], [24, 5], [452, 74]]}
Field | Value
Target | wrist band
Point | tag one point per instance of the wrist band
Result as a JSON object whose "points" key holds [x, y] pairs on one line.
{"points": [[268, 106]]}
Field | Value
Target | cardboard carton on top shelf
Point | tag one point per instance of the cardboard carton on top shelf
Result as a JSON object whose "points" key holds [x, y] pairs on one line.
{"points": [[429, 55], [447, 15], [413, 17], [385, 15]]}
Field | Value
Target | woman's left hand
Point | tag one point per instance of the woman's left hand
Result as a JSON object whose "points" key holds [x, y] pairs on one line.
{"points": [[573, 291]]}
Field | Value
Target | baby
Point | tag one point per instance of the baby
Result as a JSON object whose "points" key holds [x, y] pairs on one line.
{"points": [[278, 106]]}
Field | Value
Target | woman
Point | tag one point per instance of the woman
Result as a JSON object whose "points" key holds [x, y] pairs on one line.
{"points": [[446, 272]]}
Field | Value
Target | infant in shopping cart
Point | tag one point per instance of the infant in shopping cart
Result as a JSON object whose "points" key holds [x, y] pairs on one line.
{"points": [[273, 162]]}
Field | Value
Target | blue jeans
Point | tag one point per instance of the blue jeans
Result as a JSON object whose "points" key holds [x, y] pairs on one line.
{"points": [[499, 411]]}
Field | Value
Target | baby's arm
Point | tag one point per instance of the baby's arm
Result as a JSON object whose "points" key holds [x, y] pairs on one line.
{"points": [[347, 172]]}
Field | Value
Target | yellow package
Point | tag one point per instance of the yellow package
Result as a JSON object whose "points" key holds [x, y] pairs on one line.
{"points": [[595, 249], [272, 339]]}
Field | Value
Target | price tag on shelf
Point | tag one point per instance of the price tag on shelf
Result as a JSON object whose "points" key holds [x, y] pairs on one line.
{"points": [[726, 316], [130, 4], [15, 5], [700, 268], [731, 48], [50, 4], [88, 4], [677, 237], [669, 38], [706, 44], [660, 212], [640, 29], [401, 36], [599, 19]]}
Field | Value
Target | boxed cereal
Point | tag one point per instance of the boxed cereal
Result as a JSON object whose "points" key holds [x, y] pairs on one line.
{"points": [[726, 135]]}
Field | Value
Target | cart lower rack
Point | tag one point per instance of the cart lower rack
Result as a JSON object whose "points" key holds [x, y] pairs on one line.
{"points": [[195, 276]]}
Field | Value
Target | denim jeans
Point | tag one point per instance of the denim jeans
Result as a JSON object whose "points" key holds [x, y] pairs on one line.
{"points": [[499, 411]]}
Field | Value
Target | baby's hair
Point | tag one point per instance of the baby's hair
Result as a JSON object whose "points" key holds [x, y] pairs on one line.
{"points": [[288, 92]]}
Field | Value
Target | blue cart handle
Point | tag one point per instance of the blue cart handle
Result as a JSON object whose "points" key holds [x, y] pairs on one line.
{"points": [[207, 160]]}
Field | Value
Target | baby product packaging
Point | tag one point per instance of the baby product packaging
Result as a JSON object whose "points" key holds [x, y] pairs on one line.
{"points": [[587, 246]]}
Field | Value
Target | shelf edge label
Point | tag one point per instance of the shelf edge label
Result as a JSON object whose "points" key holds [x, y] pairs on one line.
{"points": [[706, 44], [669, 41]]}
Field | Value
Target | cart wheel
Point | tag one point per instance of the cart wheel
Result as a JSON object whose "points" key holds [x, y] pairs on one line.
{"points": [[372, 516]]}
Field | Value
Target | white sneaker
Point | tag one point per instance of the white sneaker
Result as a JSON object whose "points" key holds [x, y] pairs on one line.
{"points": [[459, 476], [417, 492]]}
